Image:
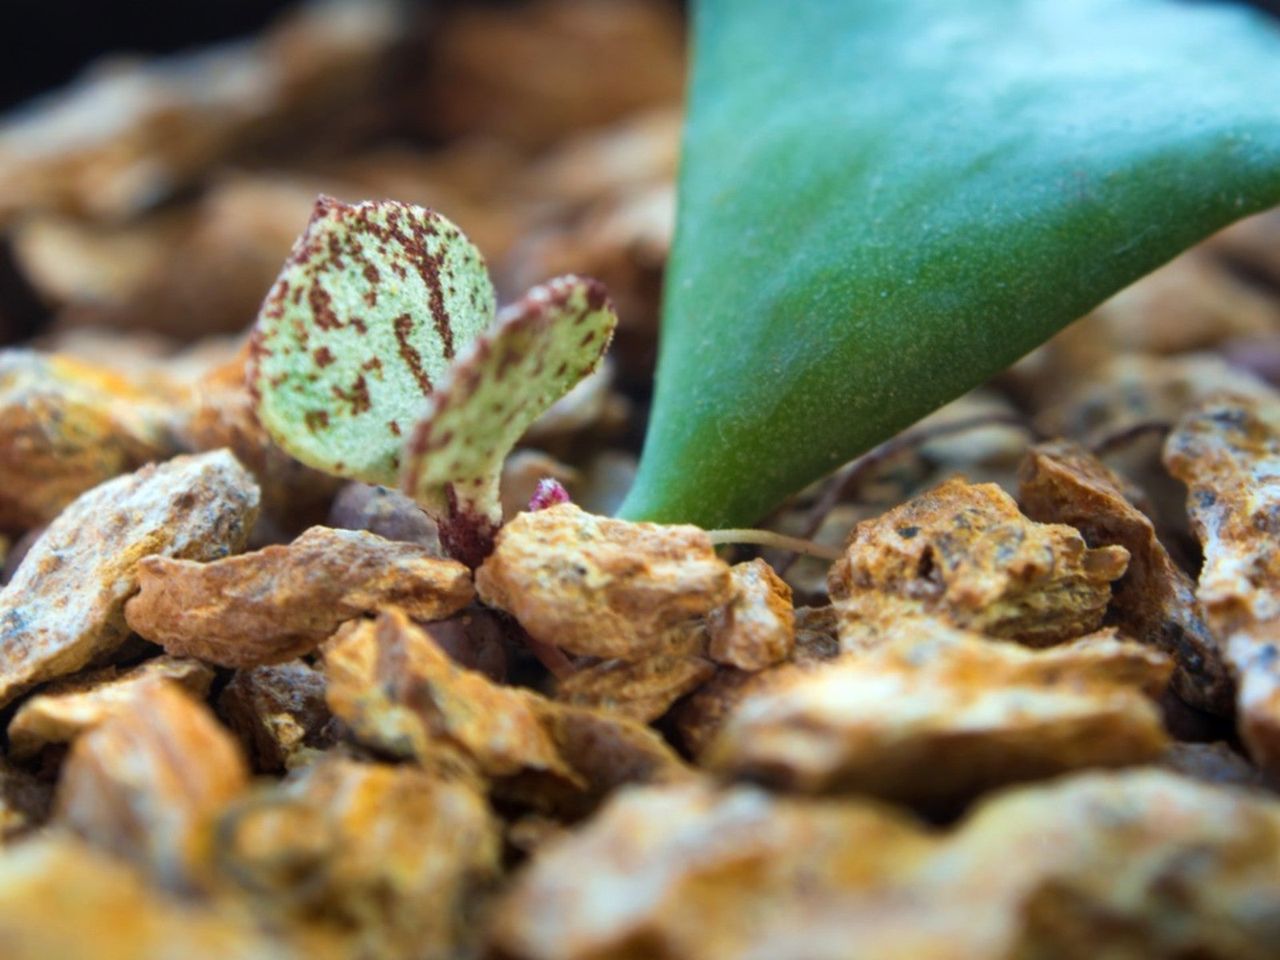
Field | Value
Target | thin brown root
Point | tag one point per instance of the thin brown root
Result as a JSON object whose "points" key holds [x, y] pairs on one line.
{"points": [[1127, 435], [844, 482], [549, 655], [779, 541]]}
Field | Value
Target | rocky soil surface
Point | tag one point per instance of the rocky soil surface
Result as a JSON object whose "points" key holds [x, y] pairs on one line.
{"points": [[1031, 710]]}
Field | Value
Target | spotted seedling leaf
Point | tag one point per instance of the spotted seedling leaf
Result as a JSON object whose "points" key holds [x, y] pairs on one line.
{"points": [[541, 346], [373, 305]]}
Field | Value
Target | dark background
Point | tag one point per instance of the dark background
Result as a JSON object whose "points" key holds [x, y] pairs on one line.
{"points": [[44, 43]]}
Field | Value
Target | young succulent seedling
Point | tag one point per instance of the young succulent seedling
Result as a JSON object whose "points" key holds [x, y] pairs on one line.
{"points": [[378, 355], [882, 203]]}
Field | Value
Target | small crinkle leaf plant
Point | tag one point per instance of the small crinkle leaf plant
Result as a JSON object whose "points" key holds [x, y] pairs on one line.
{"points": [[379, 355], [882, 203]]}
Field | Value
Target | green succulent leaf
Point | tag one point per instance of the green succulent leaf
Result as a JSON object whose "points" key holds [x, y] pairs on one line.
{"points": [[885, 202], [373, 305], [540, 348]]}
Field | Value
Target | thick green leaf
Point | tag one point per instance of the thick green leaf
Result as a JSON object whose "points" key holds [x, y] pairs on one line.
{"points": [[884, 202], [371, 308]]}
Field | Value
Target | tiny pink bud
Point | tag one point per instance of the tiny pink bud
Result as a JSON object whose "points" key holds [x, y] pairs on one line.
{"points": [[548, 493]]}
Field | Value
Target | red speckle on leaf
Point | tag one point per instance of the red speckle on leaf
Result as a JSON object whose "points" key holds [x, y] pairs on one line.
{"points": [[510, 357], [326, 206], [409, 353], [357, 396], [322, 308], [597, 297], [273, 309], [335, 252], [257, 354]]}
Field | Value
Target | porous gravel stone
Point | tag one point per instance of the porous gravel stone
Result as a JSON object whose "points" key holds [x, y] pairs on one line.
{"points": [[282, 601], [65, 605], [602, 587]]}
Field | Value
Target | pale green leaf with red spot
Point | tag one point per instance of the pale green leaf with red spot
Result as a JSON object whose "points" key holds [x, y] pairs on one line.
{"points": [[541, 346], [373, 305]]}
